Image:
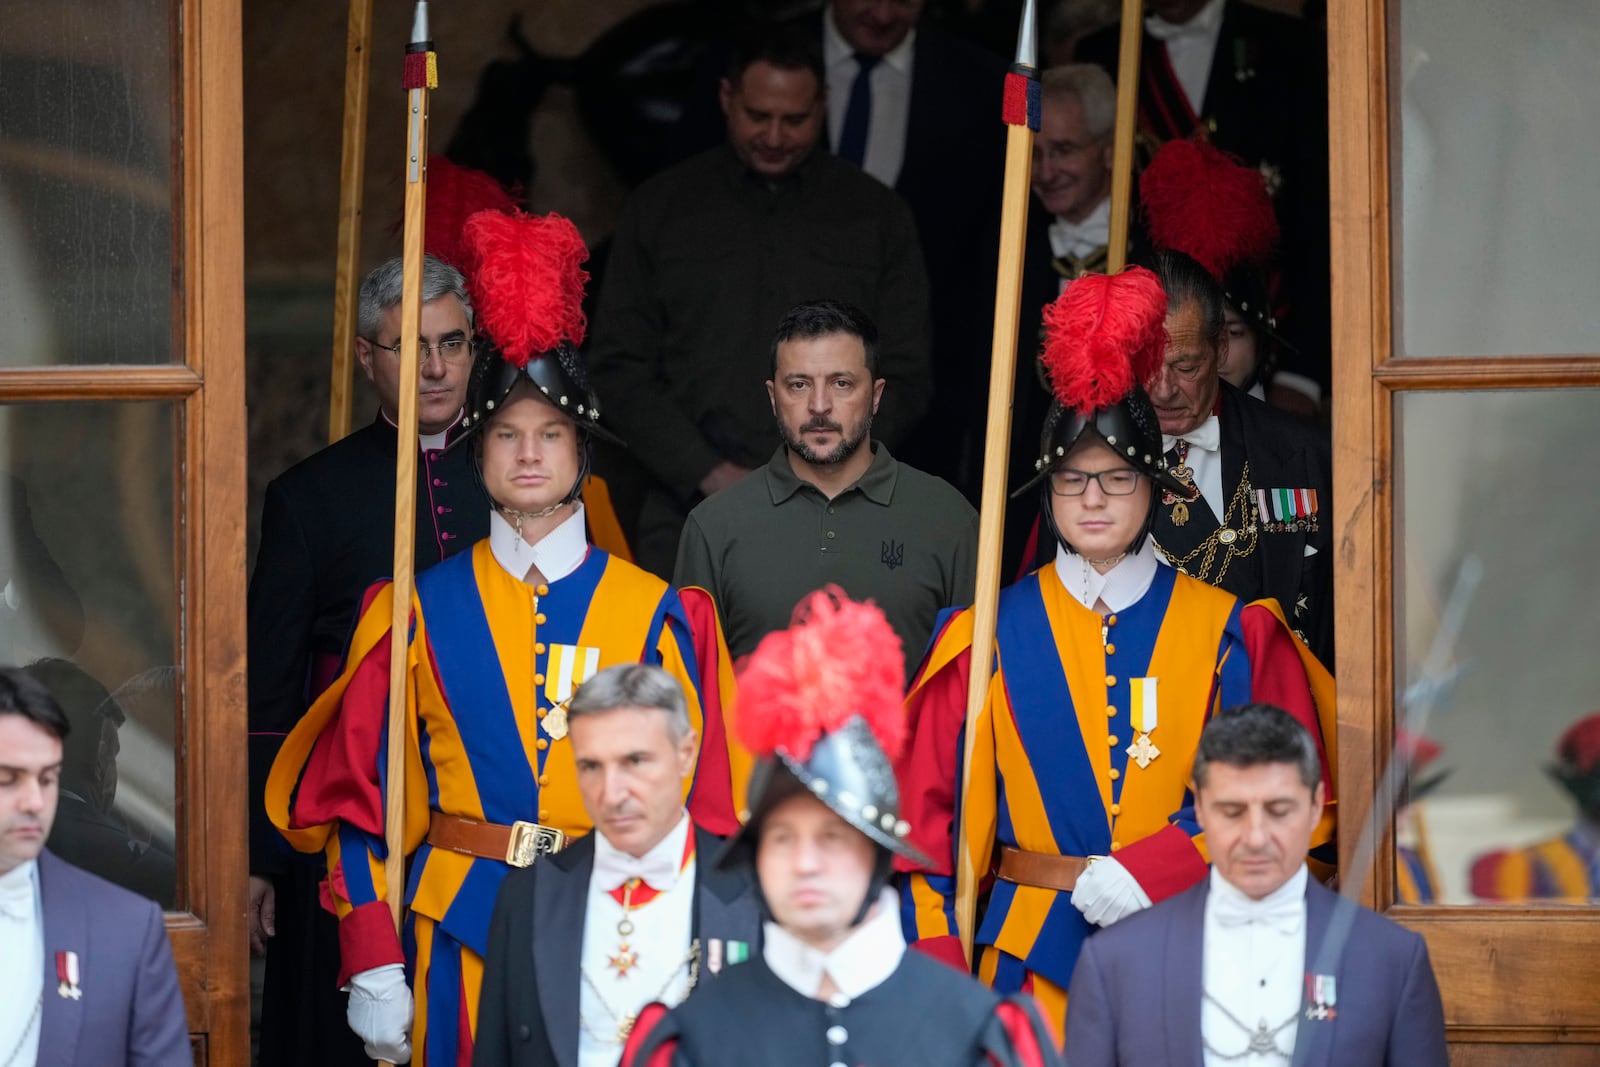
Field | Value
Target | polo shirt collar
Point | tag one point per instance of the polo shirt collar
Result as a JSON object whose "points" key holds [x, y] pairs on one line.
{"points": [[877, 484]]}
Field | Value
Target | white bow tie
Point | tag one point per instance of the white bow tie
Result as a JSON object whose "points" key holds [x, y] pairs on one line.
{"points": [[1088, 235], [1285, 914], [16, 898], [1207, 436], [657, 868], [1204, 22]]}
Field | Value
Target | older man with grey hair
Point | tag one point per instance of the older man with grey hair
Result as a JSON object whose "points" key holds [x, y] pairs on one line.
{"points": [[327, 533], [633, 913]]}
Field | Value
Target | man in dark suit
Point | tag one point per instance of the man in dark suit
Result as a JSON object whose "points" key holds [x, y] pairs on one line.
{"points": [[1259, 963], [327, 532], [88, 976], [634, 912], [1254, 83], [1260, 527], [900, 95]]}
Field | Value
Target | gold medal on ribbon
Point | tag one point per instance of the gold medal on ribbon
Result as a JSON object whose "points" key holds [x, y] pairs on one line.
{"points": [[555, 722], [1142, 716], [1180, 513]]}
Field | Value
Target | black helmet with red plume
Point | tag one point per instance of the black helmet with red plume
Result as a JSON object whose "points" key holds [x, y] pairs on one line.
{"points": [[1104, 336], [820, 705]]}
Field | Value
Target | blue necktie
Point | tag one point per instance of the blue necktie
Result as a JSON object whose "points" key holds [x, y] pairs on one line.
{"points": [[858, 112]]}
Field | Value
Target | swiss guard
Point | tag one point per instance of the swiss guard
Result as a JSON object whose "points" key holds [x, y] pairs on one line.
{"points": [[501, 637], [1564, 868], [1076, 809], [820, 702]]}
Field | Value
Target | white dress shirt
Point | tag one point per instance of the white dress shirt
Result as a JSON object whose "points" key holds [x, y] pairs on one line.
{"points": [[1118, 589], [557, 554], [1205, 460], [1191, 46], [864, 960], [1254, 962], [891, 99], [661, 933], [22, 972], [1079, 239]]}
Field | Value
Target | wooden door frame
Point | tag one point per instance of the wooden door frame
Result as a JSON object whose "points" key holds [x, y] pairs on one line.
{"points": [[1509, 976], [215, 959]]}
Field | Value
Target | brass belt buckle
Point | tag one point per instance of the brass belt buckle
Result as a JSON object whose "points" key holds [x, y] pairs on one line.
{"points": [[530, 840]]}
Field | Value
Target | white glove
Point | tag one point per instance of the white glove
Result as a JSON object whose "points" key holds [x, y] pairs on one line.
{"points": [[1106, 892], [380, 1012]]}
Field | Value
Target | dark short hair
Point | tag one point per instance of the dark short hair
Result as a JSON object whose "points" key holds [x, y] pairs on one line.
{"points": [[824, 318], [785, 45], [1185, 279], [1253, 734], [22, 694]]}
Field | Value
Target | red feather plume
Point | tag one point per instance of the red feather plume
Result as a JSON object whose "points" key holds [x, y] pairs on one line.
{"points": [[526, 276], [1579, 747], [1202, 202], [1104, 335], [839, 658], [454, 195]]}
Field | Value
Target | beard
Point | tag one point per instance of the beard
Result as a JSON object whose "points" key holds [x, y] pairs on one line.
{"points": [[794, 440]]}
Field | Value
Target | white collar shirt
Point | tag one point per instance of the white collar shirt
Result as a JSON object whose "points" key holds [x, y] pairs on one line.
{"points": [[859, 964], [1254, 958], [22, 974], [1204, 460], [1080, 239], [557, 554], [1191, 48], [428, 442], [662, 930], [1118, 589], [891, 99]]}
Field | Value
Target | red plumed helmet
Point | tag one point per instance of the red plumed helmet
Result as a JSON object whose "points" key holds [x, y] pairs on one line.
{"points": [[526, 276], [1579, 747], [1104, 335], [838, 659], [1202, 202], [454, 195]]}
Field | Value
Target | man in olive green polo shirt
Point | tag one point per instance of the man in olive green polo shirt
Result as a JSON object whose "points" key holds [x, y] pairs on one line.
{"points": [[832, 505]]}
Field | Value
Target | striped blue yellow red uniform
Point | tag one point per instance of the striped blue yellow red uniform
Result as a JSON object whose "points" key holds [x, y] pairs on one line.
{"points": [[1565, 868], [488, 656], [1051, 772]]}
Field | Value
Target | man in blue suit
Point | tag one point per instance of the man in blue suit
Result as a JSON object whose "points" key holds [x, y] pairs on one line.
{"points": [[1259, 964], [88, 974]]}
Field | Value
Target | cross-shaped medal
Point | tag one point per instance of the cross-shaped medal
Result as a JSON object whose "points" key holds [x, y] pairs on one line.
{"points": [[1143, 750]]}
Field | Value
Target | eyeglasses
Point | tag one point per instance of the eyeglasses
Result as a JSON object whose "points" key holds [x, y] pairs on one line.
{"points": [[1119, 482], [452, 351]]}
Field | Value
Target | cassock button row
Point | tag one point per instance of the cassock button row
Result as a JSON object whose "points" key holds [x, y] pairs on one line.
{"points": [[1111, 709], [538, 679], [544, 814], [1111, 650], [837, 1035], [1112, 740], [1115, 774], [538, 648], [1116, 809], [539, 618], [542, 744], [541, 590], [540, 713], [1111, 680], [1111, 620], [830, 535], [544, 780]]}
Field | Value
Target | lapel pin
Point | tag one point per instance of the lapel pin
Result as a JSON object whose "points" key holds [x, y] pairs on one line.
{"points": [[1321, 996], [67, 974]]}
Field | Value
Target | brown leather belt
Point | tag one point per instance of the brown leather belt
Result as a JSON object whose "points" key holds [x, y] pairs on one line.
{"points": [[518, 844], [1042, 869]]}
